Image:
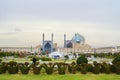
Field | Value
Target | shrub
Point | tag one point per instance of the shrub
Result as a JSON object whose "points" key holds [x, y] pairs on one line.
{"points": [[12, 67], [83, 68], [89, 67], [78, 67], [0, 60], [48, 68], [24, 68], [3, 67], [72, 68], [112, 68], [81, 59], [36, 69], [105, 68], [61, 68], [117, 68], [45, 59], [96, 68], [117, 59]]}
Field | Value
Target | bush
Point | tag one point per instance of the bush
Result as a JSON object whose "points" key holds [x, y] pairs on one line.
{"points": [[117, 68], [83, 67], [78, 68], [45, 59], [96, 68], [48, 68], [112, 68], [0, 60], [72, 68], [82, 59], [24, 68], [36, 69], [12, 67], [89, 67], [61, 68], [105, 68], [3, 68], [117, 59]]}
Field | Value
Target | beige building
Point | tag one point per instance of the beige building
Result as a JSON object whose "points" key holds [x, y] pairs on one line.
{"points": [[107, 50]]}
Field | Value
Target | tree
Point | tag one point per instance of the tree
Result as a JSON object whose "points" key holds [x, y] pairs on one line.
{"points": [[117, 59], [81, 59]]}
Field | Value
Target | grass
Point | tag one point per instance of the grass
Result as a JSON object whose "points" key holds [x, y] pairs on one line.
{"points": [[59, 77]]}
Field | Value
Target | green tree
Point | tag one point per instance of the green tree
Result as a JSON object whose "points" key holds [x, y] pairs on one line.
{"points": [[81, 59]]}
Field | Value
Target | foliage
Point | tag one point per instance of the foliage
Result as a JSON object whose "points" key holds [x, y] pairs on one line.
{"points": [[116, 59], [82, 59], [4, 54], [0, 60], [105, 68], [36, 68], [83, 68], [89, 67], [72, 68], [61, 68], [24, 68], [40, 58], [48, 68], [117, 68], [96, 68], [45, 59], [12, 67]]}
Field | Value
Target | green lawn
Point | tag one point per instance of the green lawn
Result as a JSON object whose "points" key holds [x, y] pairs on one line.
{"points": [[60, 77]]}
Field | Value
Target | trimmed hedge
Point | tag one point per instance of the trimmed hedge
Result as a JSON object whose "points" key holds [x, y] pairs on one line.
{"points": [[13, 67]]}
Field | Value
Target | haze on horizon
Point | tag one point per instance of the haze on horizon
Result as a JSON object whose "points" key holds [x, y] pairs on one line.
{"points": [[22, 22]]}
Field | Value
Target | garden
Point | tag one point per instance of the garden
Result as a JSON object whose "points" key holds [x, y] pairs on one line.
{"points": [[78, 69]]}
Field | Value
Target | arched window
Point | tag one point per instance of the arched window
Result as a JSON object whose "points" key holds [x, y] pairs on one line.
{"points": [[69, 45]]}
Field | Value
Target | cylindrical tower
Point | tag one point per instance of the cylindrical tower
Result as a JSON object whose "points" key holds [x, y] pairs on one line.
{"points": [[43, 38], [64, 40], [52, 37], [52, 42]]}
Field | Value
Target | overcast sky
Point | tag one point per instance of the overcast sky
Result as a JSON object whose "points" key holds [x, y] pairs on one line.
{"points": [[22, 22]]}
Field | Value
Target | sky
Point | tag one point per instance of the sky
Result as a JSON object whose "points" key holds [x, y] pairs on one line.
{"points": [[22, 22]]}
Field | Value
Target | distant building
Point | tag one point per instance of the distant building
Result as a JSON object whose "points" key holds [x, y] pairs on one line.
{"points": [[107, 50], [48, 45], [76, 44], [19, 49]]}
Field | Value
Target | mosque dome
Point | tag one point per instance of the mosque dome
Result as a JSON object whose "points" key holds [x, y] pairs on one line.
{"points": [[78, 38]]}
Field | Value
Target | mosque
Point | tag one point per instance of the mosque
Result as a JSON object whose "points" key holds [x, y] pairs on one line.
{"points": [[76, 44]]}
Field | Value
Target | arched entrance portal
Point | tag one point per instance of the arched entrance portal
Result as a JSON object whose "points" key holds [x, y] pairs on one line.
{"points": [[48, 47], [69, 45]]}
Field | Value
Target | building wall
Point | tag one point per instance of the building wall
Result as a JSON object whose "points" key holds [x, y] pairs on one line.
{"points": [[18, 49]]}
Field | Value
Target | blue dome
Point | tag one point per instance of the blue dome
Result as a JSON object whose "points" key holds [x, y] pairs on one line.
{"points": [[78, 38]]}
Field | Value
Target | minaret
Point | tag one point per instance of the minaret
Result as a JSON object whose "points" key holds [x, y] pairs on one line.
{"points": [[43, 37], [52, 37], [64, 40], [43, 42], [75, 37], [52, 42]]}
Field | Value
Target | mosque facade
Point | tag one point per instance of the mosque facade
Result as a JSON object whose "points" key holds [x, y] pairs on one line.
{"points": [[74, 45]]}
